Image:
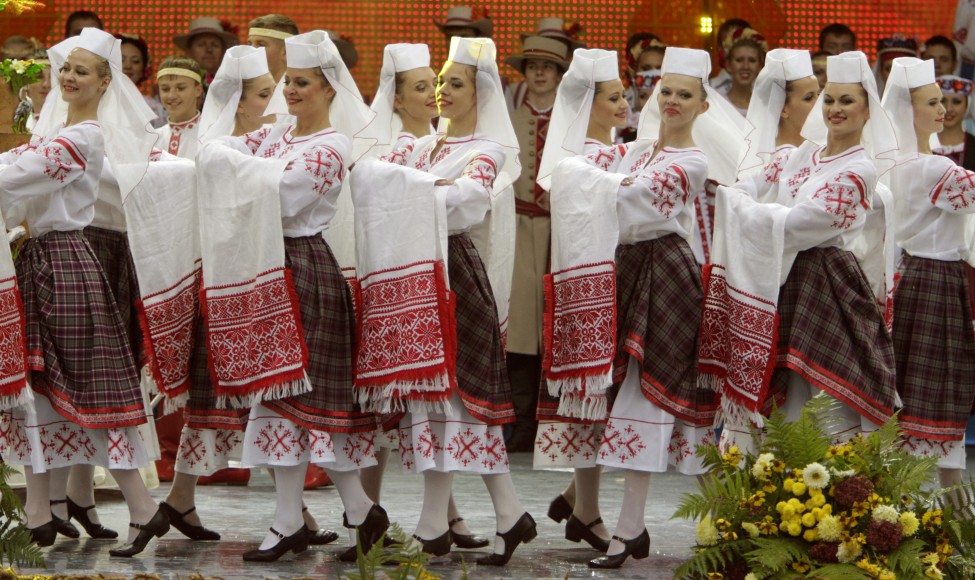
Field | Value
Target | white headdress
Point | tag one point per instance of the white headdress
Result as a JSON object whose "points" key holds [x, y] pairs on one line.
{"points": [[719, 132], [123, 113], [219, 115], [906, 74], [782, 65], [493, 122], [348, 113], [879, 138], [573, 105], [397, 58]]}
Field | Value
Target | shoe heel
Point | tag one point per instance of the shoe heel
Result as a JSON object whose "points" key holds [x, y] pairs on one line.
{"points": [[573, 535], [162, 531], [530, 535], [642, 551]]}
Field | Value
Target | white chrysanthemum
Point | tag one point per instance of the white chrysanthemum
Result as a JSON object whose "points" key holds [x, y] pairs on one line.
{"points": [[763, 462], [815, 476], [842, 473], [885, 513], [751, 576], [848, 552], [707, 534], [829, 529]]}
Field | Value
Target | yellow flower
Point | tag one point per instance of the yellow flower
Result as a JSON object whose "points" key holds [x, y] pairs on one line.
{"points": [[887, 575], [930, 558], [762, 465], [933, 571], [795, 528], [798, 489], [815, 476], [707, 534], [809, 519], [752, 529], [829, 528], [932, 520], [715, 575], [751, 576], [733, 457], [909, 523], [848, 551], [810, 536], [801, 567]]}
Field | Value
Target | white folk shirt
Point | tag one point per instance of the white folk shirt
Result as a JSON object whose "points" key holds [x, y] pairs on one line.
{"points": [[54, 180], [472, 163], [180, 139], [760, 185], [936, 195], [829, 197], [311, 184], [661, 199]]}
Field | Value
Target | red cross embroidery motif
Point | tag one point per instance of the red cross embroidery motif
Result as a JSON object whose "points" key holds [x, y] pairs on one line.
{"points": [[641, 162], [484, 174], [665, 191], [272, 150], [603, 158], [797, 180], [424, 157], [961, 190], [444, 151], [841, 200], [773, 170], [322, 164], [56, 168]]}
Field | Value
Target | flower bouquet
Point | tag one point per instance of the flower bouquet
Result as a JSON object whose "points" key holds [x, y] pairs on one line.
{"points": [[18, 74], [807, 508]]}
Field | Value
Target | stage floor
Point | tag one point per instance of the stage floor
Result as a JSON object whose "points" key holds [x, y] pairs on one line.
{"points": [[242, 514]]}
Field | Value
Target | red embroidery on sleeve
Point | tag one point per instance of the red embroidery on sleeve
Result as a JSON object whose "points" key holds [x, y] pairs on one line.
{"points": [[398, 156], [605, 156], [59, 166], [254, 139], [842, 196], [774, 169], [326, 165], [666, 188], [482, 170], [958, 186]]}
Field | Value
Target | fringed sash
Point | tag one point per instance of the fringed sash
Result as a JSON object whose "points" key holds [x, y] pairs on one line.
{"points": [[163, 232], [741, 288], [407, 329], [579, 333], [257, 350], [14, 390]]}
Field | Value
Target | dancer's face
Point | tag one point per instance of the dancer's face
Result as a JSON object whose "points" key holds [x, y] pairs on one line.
{"points": [[416, 94], [456, 91], [801, 95], [929, 112], [955, 108], [681, 99], [306, 91], [609, 106], [846, 108]]}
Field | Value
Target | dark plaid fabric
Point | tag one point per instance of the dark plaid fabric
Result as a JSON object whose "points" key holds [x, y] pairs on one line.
{"points": [[661, 300], [112, 250], [77, 346], [934, 346], [201, 410], [328, 322], [482, 373], [832, 333]]}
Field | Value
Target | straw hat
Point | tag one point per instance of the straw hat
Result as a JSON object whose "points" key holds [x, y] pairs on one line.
{"points": [[541, 48], [467, 17], [205, 25]]}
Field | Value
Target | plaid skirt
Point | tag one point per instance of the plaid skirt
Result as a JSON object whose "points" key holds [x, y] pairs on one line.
{"points": [[112, 250], [201, 409], [328, 323], [934, 345], [78, 349], [661, 300], [482, 373], [832, 333]]}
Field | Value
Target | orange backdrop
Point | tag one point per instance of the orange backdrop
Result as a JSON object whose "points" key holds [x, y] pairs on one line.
{"points": [[371, 24]]}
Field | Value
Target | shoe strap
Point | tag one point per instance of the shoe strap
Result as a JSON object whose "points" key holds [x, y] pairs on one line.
{"points": [[621, 540], [59, 501], [188, 512], [595, 522], [139, 526], [451, 523], [277, 533]]}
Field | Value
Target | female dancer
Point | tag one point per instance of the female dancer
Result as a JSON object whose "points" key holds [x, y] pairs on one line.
{"points": [[590, 105], [86, 388], [475, 156], [323, 424], [660, 412], [746, 57], [955, 141], [934, 344]]}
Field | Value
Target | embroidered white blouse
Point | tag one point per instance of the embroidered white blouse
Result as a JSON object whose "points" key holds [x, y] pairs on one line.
{"points": [[759, 184], [54, 180], [311, 184], [472, 163], [933, 196], [660, 201], [180, 139]]}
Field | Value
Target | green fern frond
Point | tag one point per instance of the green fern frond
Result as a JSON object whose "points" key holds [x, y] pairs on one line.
{"points": [[771, 555], [710, 559], [17, 548], [841, 572], [905, 559]]}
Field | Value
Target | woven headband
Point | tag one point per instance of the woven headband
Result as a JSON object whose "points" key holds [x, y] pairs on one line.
{"points": [[182, 72], [270, 33]]}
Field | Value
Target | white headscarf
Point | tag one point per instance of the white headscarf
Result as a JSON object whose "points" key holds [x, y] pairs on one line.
{"points": [[493, 122], [397, 58], [573, 105], [907, 73], [782, 65], [348, 113], [719, 132], [879, 138], [123, 114], [219, 115]]}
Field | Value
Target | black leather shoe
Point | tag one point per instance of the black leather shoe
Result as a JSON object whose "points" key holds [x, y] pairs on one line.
{"points": [[321, 537], [638, 547], [576, 531], [466, 541], [559, 509], [368, 532], [44, 535], [80, 515], [439, 546], [193, 532], [521, 533], [296, 542], [64, 527], [157, 526]]}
